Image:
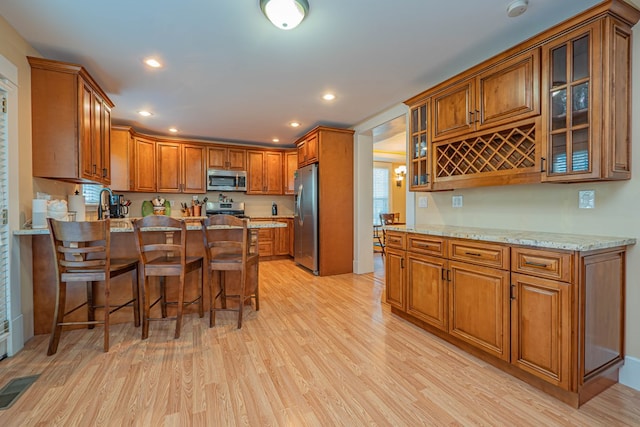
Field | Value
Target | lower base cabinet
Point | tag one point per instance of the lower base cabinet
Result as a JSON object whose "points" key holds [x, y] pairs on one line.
{"points": [[274, 242], [552, 318]]}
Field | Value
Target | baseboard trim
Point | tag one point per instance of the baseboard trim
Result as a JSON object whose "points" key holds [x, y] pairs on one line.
{"points": [[630, 373]]}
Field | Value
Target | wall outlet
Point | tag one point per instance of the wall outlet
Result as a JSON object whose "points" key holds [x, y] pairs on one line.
{"points": [[456, 201], [587, 199], [171, 202], [422, 201]]}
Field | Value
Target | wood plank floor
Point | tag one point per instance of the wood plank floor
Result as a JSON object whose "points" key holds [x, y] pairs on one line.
{"points": [[320, 352]]}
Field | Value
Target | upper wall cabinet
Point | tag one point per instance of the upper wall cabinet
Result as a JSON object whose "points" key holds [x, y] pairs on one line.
{"points": [[228, 158], [587, 95], [264, 172], [503, 93], [71, 123], [554, 108]]}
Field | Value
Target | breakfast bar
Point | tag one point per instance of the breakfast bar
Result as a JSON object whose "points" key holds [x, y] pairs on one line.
{"points": [[122, 244]]}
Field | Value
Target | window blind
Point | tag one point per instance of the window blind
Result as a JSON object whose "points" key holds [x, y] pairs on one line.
{"points": [[380, 193], [4, 227]]}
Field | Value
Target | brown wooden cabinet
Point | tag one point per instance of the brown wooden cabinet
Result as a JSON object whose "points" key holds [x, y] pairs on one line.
{"points": [[180, 168], [290, 167], [71, 123], [504, 92], [144, 164], [555, 108], [554, 318], [419, 174], [587, 95], [264, 172], [226, 157], [334, 153], [265, 242], [307, 150], [121, 158], [479, 307], [281, 238]]}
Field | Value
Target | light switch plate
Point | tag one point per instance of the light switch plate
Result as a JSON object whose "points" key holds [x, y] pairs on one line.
{"points": [[422, 201], [456, 201], [586, 199]]}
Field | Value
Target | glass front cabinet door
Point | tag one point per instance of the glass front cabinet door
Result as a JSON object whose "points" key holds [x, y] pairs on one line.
{"points": [[586, 94], [419, 171]]}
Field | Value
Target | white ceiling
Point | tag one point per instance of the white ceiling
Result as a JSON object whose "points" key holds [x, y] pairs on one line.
{"points": [[232, 76]]}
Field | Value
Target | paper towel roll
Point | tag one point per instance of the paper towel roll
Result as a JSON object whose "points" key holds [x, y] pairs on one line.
{"points": [[39, 213], [76, 204]]}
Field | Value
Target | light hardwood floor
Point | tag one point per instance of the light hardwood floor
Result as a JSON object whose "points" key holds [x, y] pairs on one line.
{"points": [[321, 351]]}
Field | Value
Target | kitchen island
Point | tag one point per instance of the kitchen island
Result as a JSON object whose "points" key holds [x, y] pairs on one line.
{"points": [[546, 307], [122, 245]]}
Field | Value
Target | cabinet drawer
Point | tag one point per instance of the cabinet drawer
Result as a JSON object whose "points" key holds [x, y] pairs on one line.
{"points": [[542, 263], [395, 239], [479, 253], [428, 245]]}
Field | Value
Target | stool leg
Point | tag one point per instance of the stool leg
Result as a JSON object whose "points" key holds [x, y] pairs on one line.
{"points": [[223, 291], [212, 299], [135, 291], [58, 318], [163, 297], [107, 293], [242, 299], [257, 292], [201, 277], [91, 307], [180, 305], [145, 304]]}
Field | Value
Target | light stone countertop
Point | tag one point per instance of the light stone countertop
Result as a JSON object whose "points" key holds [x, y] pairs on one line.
{"points": [[538, 239], [123, 225]]}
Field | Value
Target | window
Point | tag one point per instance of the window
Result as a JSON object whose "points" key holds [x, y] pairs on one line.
{"points": [[91, 192], [380, 192]]}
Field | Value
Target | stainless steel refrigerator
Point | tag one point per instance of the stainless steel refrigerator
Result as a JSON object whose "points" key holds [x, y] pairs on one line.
{"points": [[305, 217]]}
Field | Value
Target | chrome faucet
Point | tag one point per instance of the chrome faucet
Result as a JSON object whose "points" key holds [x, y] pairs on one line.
{"points": [[101, 205]]}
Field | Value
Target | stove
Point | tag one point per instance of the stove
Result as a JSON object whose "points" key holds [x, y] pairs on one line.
{"points": [[225, 208]]}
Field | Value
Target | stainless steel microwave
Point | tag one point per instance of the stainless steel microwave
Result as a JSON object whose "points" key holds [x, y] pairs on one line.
{"points": [[224, 180]]}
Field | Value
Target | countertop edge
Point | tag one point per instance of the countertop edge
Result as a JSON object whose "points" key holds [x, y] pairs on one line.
{"points": [[538, 239], [45, 231]]}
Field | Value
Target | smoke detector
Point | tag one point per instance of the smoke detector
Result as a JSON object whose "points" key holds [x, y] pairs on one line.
{"points": [[517, 8]]}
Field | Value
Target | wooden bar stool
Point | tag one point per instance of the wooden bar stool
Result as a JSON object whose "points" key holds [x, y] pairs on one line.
{"points": [[227, 245], [162, 245], [82, 253]]}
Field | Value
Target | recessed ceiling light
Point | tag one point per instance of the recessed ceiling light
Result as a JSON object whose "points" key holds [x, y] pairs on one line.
{"points": [[144, 113], [328, 97], [275, 140], [173, 130], [294, 124], [153, 63]]}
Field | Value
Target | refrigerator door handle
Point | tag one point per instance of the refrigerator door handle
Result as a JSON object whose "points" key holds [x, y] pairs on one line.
{"points": [[299, 207]]}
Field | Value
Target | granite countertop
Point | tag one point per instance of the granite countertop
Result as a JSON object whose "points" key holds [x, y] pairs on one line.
{"points": [[124, 226], [573, 242]]}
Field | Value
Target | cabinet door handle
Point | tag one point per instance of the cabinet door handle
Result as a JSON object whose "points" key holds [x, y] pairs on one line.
{"points": [[401, 262], [477, 116], [542, 162], [472, 254], [536, 264], [448, 275], [94, 169], [471, 117], [442, 276], [512, 292], [104, 172]]}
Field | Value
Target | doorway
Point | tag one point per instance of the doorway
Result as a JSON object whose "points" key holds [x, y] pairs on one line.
{"points": [[389, 184]]}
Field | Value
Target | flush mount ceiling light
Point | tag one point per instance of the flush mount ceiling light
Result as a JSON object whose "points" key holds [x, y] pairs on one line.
{"points": [[294, 124], [144, 113], [285, 14], [517, 8]]}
